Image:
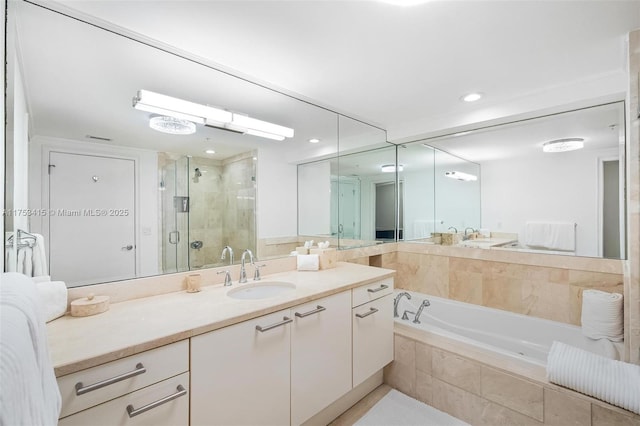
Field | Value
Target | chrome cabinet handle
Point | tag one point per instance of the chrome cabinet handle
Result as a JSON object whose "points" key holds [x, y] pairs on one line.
{"points": [[375, 290], [371, 312], [285, 320], [81, 390], [132, 412], [315, 311]]}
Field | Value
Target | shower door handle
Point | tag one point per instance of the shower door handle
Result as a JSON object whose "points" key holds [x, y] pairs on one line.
{"points": [[174, 237]]}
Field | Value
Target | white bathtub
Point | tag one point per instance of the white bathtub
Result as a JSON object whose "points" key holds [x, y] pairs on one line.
{"points": [[520, 336]]}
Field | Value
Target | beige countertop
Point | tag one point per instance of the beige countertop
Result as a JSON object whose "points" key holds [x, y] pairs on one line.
{"points": [[486, 242], [138, 325]]}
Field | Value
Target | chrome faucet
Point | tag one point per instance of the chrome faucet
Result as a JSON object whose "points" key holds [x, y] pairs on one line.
{"points": [[224, 252], [467, 228], [227, 277], [243, 271], [455, 230], [397, 300], [424, 304]]}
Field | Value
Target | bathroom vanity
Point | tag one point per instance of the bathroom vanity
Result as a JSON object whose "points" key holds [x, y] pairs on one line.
{"points": [[275, 351]]}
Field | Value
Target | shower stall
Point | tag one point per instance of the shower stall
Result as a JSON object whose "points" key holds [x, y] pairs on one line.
{"points": [[205, 205]]}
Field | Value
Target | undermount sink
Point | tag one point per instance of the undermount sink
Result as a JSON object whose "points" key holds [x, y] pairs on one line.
{"points": [[261, 290]]}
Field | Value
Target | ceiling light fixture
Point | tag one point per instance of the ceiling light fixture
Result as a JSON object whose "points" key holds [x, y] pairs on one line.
{"points": [[563, 145], [180, 109], [390, 168], [314, 140], [404, 3], [471, 97], [172, 125], [210, 151], [461, 176]]}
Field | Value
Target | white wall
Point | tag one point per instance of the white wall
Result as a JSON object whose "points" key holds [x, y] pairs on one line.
{"points": [[314, 198], [517, 191], [147, 238], [419, 208], [276, 205]]}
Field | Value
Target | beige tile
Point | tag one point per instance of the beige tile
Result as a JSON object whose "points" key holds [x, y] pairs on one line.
{"points": [[562, 409], [512, 392], [404, 351], [465, 286], [601, 416], [423, 358], [546, 300], [502, 292], [456, 402], [456, 370], [401, 377], [424, 384], [498, 415]]}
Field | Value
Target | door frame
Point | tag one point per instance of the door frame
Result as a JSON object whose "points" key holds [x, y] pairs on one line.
{"points": [[600, 204], [39, 183]]}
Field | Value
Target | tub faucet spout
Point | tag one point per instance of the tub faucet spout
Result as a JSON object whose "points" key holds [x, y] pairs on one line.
{"points": [[397, 300], [424, 304]]}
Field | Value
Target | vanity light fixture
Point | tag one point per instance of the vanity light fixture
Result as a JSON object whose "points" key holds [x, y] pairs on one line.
{"points": [[172, 125], [563, 145], [461, 176], [471, 97], [391, 168], [180, 109], [314, 140]]}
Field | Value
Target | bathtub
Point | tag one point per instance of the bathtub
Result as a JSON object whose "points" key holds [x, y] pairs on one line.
{"points": [[517, 336]]}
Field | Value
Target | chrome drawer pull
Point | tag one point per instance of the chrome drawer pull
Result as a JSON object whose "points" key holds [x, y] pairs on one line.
{"points": [[285, 320], [81, 390], [371, 312], [375, 290], [135, 411], [315, 311]]}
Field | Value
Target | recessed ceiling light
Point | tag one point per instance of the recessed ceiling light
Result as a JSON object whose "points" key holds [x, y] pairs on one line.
{"points": [[314, 140], [390, 168], [172, 125], [471, 97], [563, 145], [210, 151]]}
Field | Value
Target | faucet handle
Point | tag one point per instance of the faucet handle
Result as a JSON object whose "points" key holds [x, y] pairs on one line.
{"points": [[256, 275], [405, 316], [227, 277]]}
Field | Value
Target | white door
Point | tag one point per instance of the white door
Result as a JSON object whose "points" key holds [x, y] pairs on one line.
{"points": [[91, 218]]}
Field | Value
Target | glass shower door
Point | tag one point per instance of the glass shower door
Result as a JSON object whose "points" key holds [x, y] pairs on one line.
{"points": [[174, 189]]}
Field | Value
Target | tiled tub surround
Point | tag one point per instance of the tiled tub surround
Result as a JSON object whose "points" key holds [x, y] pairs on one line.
{"points": [[485, 388], [514, 335], [136, 325]]}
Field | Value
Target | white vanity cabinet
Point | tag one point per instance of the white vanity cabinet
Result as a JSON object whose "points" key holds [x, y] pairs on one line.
{"points": [[241, 373], [372, 318], [150, 388], [320, 354]]}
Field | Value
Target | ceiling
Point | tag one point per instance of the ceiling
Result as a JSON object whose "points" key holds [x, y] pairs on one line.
{"points": [[402, 68]]}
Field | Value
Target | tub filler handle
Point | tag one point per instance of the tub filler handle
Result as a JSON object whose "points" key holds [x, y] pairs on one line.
{"points": [[375, 290], [405, 316], [371, 312], [424, 304]]}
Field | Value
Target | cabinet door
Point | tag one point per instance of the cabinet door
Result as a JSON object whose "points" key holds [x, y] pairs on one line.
{"points": [[241, 375], [320, 355], [164, 403], [372, 337]]}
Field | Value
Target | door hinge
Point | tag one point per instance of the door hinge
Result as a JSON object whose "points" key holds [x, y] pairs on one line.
{"points": [[49, 168]]}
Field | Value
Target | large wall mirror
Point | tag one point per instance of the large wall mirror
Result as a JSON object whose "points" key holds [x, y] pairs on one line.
{"points": [[552, 185], [115, 199]]}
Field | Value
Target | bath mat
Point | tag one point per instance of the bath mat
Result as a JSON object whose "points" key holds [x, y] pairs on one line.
{"points": [[397, 409]]}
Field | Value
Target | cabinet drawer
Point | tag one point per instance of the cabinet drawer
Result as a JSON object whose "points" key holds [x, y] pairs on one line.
{"points": [[372, 337], [164, 403], [116, 378], [373, 291]]}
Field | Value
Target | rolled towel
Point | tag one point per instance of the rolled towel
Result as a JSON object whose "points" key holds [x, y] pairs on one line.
{"points": [[602, 315], [53, 295], [308, 262], [42, 279], [612, 381]]}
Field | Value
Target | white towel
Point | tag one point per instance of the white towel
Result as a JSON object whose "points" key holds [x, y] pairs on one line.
{"points": [[308, 262], [39, 257], [29, 394], [602, 315], [422, 228], [555, 236], [615, 382], [53, 296]]}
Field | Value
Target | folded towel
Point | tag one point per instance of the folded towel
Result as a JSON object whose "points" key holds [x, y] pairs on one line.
{"points": [[612, 381], [39, 257], [29, 394], [555, 236], [53, 295], [602, 315], [308, 262]]}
